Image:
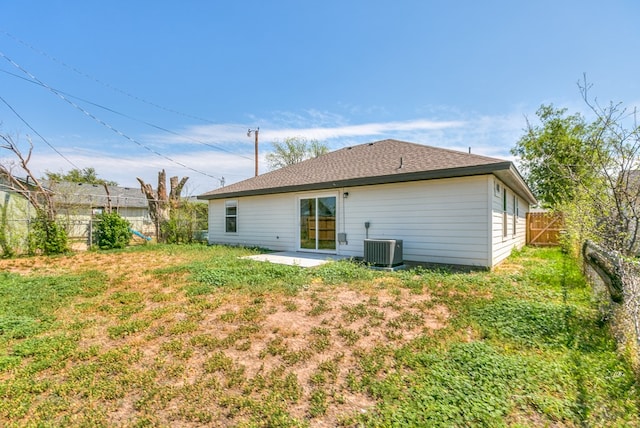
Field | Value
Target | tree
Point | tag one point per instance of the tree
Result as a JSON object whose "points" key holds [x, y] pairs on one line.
{"points": [[46, 234], [294, 150], [588, 170], [161, 203], [616, 133], [85, 175], [557, 154]]}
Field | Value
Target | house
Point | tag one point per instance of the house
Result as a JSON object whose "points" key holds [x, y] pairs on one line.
{"points": [[78, 204], [15, 213], [446, 206]]}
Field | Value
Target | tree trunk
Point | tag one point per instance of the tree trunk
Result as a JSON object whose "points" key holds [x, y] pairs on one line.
{"points": [[161, 203], [176, 189]]}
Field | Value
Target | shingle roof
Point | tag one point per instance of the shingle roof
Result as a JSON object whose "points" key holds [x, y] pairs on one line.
{"points": [[385, 161], [83, 194]]}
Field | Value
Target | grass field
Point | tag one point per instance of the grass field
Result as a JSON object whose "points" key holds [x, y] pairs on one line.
{"points": [[195, 336]]}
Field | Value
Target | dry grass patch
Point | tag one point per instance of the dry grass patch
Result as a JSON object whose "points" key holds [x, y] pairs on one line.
{"points": [[148, 351], [195, 336]]}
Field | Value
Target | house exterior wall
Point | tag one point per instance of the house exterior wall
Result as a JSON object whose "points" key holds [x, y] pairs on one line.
{"points": [[15, 212], [268, 221], [79, 221], [509, 221], [438, 220], [453, 221]]}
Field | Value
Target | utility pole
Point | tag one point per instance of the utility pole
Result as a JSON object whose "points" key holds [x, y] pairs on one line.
{"points": [[255, 132]]}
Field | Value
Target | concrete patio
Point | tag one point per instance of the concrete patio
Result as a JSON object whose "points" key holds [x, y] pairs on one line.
{"points": [[295, 258]]}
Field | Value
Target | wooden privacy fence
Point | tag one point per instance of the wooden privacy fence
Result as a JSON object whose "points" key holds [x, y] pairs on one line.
{"points": [[544, 228]]}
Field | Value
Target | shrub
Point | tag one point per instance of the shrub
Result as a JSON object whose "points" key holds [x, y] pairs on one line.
{"points": [[112, 231], [47, 236], [185, 222]]}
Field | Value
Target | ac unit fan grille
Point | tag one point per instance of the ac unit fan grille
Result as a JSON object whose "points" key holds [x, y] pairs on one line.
{"points": [[383, 252]]}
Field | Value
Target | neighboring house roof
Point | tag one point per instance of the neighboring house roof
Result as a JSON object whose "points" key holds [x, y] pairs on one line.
{"points": [[6, 185], [385, 161], [95, 195]]}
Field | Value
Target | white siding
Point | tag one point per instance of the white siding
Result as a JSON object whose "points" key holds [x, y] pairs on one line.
{"points": [[503, 245], [16, 211], [263, 221], [441, 221]]}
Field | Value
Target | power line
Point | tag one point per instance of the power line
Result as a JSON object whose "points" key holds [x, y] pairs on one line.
{"points": [[109, 109], [107, 85], [100, 121], [37, 133]]}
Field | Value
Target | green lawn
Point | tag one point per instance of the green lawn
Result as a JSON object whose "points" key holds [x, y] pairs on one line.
{"points": [[193, 336]]}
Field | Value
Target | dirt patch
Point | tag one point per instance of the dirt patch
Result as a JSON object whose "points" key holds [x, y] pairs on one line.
{"points": [[237, 342]]}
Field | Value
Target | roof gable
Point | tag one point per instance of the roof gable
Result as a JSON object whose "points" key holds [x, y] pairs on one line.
{"points": [[385, 161]]}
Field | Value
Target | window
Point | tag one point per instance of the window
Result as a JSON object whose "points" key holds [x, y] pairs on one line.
{"points": [[515, 214], [505, 226], [231, 216]]}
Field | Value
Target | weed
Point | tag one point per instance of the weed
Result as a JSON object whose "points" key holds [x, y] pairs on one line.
{"points": [[528, 323], [342, 271], [290, 306], [274, 347], [205, 341], [293, 357], [127, 328], [319, 307], [321, 339], [183, 327], [229, 316], [349, 336], [406, 320], [218, 361], [318, 403], [250, 314], [354, 312]]}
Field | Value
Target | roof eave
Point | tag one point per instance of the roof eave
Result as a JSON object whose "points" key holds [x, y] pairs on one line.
{"points": [[365, 181]]}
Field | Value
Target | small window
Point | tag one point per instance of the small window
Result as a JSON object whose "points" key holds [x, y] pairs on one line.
{"points": [[515, 214], [505, 215], [231, 216]]}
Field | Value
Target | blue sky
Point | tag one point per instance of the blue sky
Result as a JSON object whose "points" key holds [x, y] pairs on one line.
{"points": [[132, 87]]}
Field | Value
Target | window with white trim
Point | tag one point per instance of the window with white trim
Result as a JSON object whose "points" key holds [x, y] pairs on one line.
{"points": [[231, 216], [505, 215], [515, 214]]}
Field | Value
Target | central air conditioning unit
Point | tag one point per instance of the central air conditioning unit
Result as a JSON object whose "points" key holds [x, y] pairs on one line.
{"points": [[383, 252]]}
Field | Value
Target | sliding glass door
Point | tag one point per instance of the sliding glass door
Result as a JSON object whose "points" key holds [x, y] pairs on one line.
{"points": [[318, 223]]}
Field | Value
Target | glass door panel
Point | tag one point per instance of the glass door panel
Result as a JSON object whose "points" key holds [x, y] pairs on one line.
{"points": [[318, 223], [308, 224], [326, 215]]}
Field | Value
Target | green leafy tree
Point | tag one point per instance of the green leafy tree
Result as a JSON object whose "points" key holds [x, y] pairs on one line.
{"points": [[558, 154], [112, 231], [294, 150], [588, 170], [85, 175]]}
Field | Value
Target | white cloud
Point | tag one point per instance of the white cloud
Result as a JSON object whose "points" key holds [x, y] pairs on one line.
{"points": [[225, 150], [231, 133]]}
